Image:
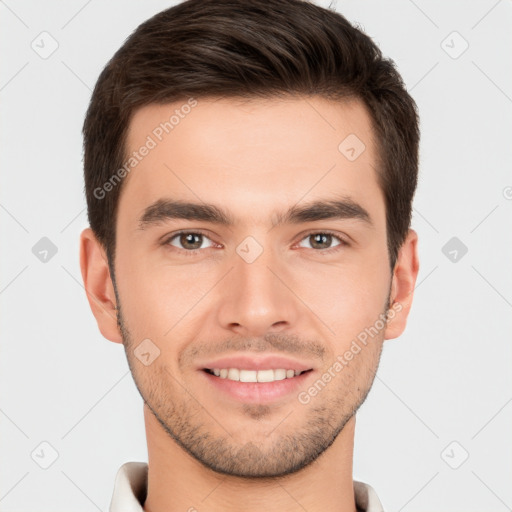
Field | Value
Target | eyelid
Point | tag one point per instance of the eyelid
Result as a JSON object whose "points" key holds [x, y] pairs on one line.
{"points": [[343, 241], [167, 238]]}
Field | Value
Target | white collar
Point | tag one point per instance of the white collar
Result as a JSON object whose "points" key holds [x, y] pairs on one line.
{"points": [[131, 485]]}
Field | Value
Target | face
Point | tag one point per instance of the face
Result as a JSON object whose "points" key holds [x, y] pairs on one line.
{"points": [[282, 265]]}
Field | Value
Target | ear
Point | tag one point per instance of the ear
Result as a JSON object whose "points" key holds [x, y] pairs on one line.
{"points": [[98, 285], [402, 286]]}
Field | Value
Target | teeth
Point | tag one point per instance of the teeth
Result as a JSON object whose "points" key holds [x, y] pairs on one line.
{"points": [[234, 374], [265, 376], [279, 374], [255, 375], [248, 376]]}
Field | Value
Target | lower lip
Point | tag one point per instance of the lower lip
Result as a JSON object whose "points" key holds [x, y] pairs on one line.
{"points": [[258, 392]]}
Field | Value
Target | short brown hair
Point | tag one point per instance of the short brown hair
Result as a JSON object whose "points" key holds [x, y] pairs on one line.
{"points": [[250, 49]]}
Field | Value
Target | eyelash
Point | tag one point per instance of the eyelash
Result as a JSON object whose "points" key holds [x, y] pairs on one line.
{"points": [[194, 252]]}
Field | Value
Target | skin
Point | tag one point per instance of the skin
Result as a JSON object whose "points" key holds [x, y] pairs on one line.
{"points": [[254, 159]]}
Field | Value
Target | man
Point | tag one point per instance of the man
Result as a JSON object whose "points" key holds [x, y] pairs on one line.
{"points": [[249, 168]]}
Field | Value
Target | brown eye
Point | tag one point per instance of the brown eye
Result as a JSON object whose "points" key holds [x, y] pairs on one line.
{"points": [[323, 241], [189, 241]]}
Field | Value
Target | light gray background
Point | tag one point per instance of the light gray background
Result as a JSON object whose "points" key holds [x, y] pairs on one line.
{"points": [[443, 390]]}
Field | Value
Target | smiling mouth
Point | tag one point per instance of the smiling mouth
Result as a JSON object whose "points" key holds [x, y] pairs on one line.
{"points": [[267, 375]]}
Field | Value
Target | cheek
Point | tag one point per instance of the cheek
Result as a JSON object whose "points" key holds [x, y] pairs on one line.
{"points": [[156, 297], [346, 298], [346, 295]]}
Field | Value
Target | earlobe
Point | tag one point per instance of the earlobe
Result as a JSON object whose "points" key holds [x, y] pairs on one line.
{"points": [[98, 285], [402, 287]]}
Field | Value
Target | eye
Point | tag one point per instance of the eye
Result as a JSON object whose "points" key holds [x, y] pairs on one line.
{"points": [[322, 240], [189, 241]]}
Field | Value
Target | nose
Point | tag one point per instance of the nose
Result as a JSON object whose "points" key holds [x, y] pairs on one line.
{"points": [[257, 297]]}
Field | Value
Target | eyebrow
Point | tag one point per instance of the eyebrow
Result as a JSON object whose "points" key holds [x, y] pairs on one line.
{"points": [[169, 209]]}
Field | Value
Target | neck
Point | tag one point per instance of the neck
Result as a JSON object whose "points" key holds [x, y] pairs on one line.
{"points": [[178, 482]]}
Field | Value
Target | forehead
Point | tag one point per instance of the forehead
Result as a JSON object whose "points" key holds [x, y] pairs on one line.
{"points": [[250, 156]]}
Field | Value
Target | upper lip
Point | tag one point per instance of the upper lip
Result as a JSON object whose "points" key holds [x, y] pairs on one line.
{"points": [[256, 362]]}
